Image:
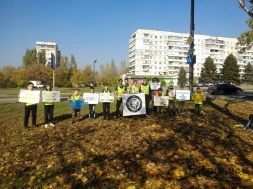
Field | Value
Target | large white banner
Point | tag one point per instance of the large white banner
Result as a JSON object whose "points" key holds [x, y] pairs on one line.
{"points": [[91, 98], [133, 104], [28, 96], [50, 96], [155, 86], [106, 97], [161, 100], [183, 95]]}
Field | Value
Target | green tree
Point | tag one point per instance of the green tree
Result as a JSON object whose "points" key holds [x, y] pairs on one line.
{"points": [[30, 57], [42, 57], [73, 64], [182, 76], [248, 73], [230, 70], [109, 73], [209, 71], [64, 62], [61, 76]]}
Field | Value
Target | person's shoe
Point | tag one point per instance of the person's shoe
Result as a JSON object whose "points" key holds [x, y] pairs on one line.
{"points": [[34, 126], [46, 125], [73, 121], [26, 127], [51, 124]]}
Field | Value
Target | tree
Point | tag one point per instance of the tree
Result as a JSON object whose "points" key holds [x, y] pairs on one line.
{"points": [[246, 38], [61, 77], [209, 72], [248, 73], [19, 77], [109, 73], [182, 76], [42, 57], [30, 58], [6, 73], [64, 61], [39, 72], [230, 70], [73, 64]]}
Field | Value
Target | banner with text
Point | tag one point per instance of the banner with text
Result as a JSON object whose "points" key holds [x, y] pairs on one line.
{"points": [[27, 96], [183, 95], [106, 97], [91, 98], [50, 96], [133, 104], [161, 100]]}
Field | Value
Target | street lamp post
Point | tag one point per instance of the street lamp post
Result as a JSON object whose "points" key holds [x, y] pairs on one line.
{"points": [[94, 81]]}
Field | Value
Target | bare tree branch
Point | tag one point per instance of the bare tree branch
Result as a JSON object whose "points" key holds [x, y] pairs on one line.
{"points": [[242, 5]]}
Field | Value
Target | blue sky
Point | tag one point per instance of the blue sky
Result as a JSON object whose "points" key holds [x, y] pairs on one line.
{"points": [[101, 29]]}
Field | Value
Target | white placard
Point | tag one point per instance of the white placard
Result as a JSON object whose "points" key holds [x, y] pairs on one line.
{"points": [[50, 96], [161, 100], [133, 104], [183, 95], [91, 98], [27, 96], [155, 86], [106, 97]]}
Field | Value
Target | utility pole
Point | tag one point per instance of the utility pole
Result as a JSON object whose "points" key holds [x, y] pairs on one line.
{"points": [[191, 49]]}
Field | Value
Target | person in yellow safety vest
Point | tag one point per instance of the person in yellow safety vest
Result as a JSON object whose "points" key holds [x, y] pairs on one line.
{"points": [[145, 88], [171, 93], [198, 98], [134, 88], [181, 102], [127, 86], [48, 110], [106, 105], [160, 93], [119, 91], [75, 111], [29, 107]]}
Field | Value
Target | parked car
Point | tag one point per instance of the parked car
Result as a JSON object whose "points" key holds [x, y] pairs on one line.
{"points": [[224, 89]]}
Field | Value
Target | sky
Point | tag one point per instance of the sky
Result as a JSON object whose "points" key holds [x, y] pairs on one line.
{"points": [[100, 29]]}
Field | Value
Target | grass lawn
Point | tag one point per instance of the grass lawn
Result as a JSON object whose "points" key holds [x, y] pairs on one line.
{"points": [[182, 151]]}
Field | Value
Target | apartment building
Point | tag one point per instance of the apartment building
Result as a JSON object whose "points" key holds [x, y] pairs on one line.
{"points": [[163, 53], [52, 51]]}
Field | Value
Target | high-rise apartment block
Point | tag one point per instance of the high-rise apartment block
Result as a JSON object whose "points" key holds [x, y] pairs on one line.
{"points": [[153, 52], [52, 52]]}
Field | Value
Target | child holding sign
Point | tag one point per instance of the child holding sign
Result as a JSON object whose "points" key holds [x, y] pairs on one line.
{"points": [[92, 114], [75, 110], [198, 98], [160, 93], [106, 105], [30, 107], [48, 110]]}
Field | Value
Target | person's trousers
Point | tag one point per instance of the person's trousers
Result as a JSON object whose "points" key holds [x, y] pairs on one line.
{"points": [[147, 100], [28, 109], [48, 112], [106, 109], [119, 102], [198, 110], [92, 111]]}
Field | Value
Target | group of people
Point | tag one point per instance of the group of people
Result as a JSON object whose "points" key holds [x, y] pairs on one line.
{"points": [[120, 89]]}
